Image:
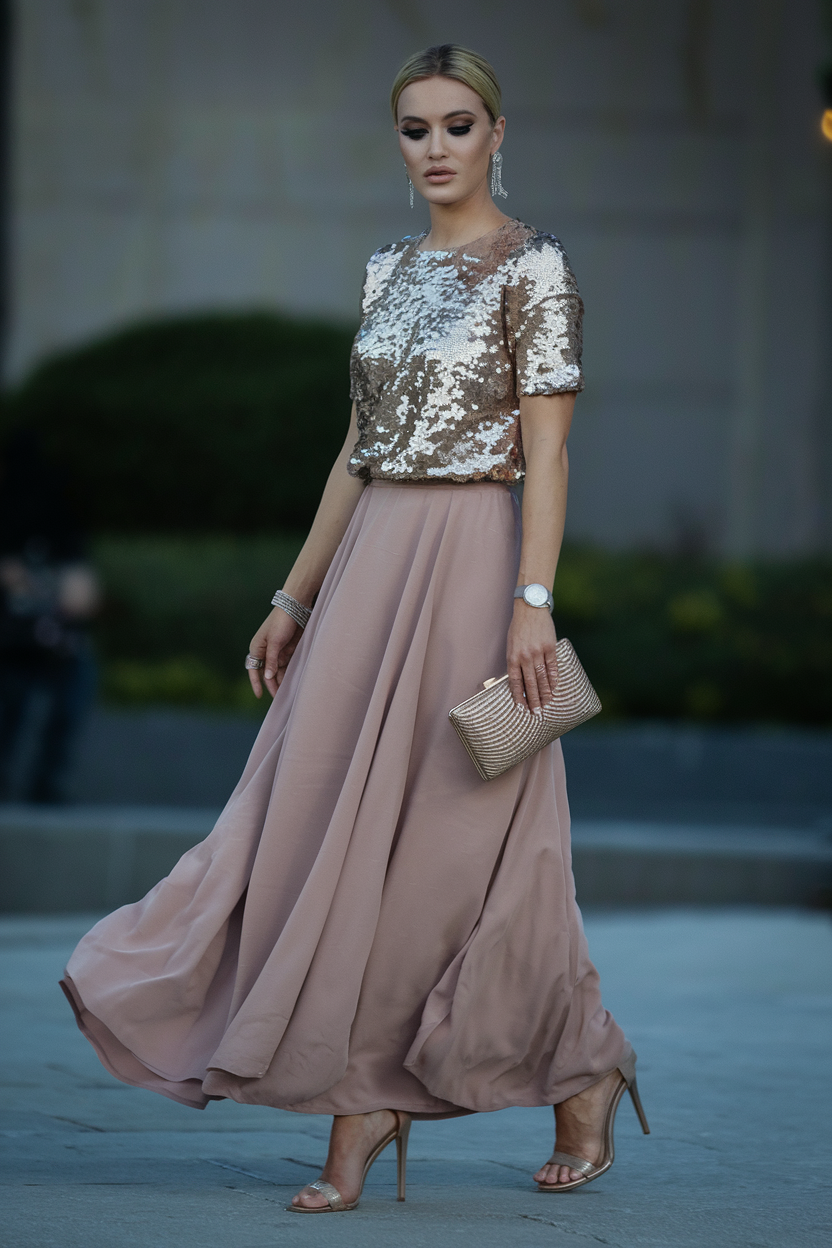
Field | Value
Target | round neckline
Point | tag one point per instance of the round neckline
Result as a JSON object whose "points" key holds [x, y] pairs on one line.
{"points": [[449, 251]]}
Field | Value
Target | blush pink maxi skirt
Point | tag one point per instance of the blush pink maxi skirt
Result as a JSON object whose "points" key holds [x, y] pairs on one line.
{"points": [[369, 925]]}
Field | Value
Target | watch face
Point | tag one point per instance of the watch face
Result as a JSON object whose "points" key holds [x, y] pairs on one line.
{"points": [[536, 595]]}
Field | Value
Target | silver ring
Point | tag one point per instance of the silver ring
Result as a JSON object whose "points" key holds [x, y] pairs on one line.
{"points": [[252, 664]]}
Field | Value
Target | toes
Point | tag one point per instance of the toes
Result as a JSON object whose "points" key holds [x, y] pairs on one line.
{"points": [[309, 1200], [552, 1176]]}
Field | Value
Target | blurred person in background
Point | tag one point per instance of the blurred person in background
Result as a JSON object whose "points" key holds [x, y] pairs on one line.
{"points": [[48, 594]]}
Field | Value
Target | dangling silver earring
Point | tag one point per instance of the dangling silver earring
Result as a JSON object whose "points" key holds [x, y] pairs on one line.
{"points": [[496, 178], [409, 185]]}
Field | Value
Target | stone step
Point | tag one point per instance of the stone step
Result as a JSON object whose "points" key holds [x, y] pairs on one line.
{"points": [[99, 857], [656, 772], [628, 863]]}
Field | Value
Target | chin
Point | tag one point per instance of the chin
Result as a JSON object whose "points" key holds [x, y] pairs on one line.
{"points": [[447, 194]]}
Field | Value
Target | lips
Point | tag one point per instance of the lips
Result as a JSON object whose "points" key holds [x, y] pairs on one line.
{"points": [[440, 174]]}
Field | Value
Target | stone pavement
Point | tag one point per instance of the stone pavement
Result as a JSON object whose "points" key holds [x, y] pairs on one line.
{"points": [[728, 1010]]}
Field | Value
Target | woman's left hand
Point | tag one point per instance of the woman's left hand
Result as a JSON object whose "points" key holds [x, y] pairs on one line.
{"points": [[532, 656]]}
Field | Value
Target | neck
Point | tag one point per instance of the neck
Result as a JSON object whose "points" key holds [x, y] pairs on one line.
{"points": [[453, 225]]}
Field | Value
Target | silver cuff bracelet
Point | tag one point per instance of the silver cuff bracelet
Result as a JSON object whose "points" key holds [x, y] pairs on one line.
{"points": [[299, 613]]}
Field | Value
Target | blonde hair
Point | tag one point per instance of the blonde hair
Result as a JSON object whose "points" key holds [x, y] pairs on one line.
{"points": [[449, 60]]}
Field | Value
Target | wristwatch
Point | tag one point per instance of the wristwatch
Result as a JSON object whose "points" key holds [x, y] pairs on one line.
{"points": [[535, 595]]}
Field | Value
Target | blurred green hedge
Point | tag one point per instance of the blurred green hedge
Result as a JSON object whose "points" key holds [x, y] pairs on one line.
{"points": [[180, 611], [229, 423], [215, 422], [666, 636], [660, 636]]}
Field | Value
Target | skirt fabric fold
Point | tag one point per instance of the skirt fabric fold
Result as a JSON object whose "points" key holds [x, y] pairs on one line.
{"points": [[369, 925]]}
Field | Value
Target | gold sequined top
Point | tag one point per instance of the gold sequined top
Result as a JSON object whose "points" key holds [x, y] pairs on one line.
{"points": [[448, 342]]}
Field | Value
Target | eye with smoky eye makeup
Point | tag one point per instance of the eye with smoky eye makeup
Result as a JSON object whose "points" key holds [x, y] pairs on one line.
{"points": [[413, 133], [415, 129]]}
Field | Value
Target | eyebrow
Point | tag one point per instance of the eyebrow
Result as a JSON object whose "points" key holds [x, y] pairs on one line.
{"points": [[459, 112]]}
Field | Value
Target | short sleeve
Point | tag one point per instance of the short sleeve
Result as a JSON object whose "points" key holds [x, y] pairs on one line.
{"points": [[544, 315], [355, 363], [376, 275]]}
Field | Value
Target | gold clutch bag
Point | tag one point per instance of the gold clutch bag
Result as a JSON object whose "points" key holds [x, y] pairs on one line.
{"points": [[498, 734]]}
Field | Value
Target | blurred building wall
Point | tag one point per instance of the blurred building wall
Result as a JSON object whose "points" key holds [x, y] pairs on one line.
{"points": [[176, 154]]}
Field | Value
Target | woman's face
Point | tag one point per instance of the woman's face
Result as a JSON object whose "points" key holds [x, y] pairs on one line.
{"points": [[446, 137]]}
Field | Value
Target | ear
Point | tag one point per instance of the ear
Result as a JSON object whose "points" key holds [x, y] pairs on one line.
{"points": [[498, 134]]}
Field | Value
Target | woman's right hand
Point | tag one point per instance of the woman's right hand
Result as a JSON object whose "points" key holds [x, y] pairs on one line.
{"points": [[274, 643]]}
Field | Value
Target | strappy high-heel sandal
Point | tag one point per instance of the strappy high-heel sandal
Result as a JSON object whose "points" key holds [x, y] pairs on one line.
{"points": [[335, 1201], [627, 1069]]}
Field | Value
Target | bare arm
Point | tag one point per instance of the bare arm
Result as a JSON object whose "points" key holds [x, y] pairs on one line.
{"points": [[530, 651], [278, 635]]}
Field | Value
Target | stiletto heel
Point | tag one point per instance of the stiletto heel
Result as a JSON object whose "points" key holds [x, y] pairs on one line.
{"points": [[401, 1156], [335, 1201], [636, 1099], [627, 1069]]}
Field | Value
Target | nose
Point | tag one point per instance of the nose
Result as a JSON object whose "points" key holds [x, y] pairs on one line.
{"points": [[436, 148]]}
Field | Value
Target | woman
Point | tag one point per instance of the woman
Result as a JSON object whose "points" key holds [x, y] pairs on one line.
{"points": [[371, 931]]}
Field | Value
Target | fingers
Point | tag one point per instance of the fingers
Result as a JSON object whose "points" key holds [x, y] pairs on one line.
{"points": [[543, 677], [256, 649], [532, 679], [531, 654], [274, 643], [272, 657], [515, 684], [283, 660], [552, 674]]}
